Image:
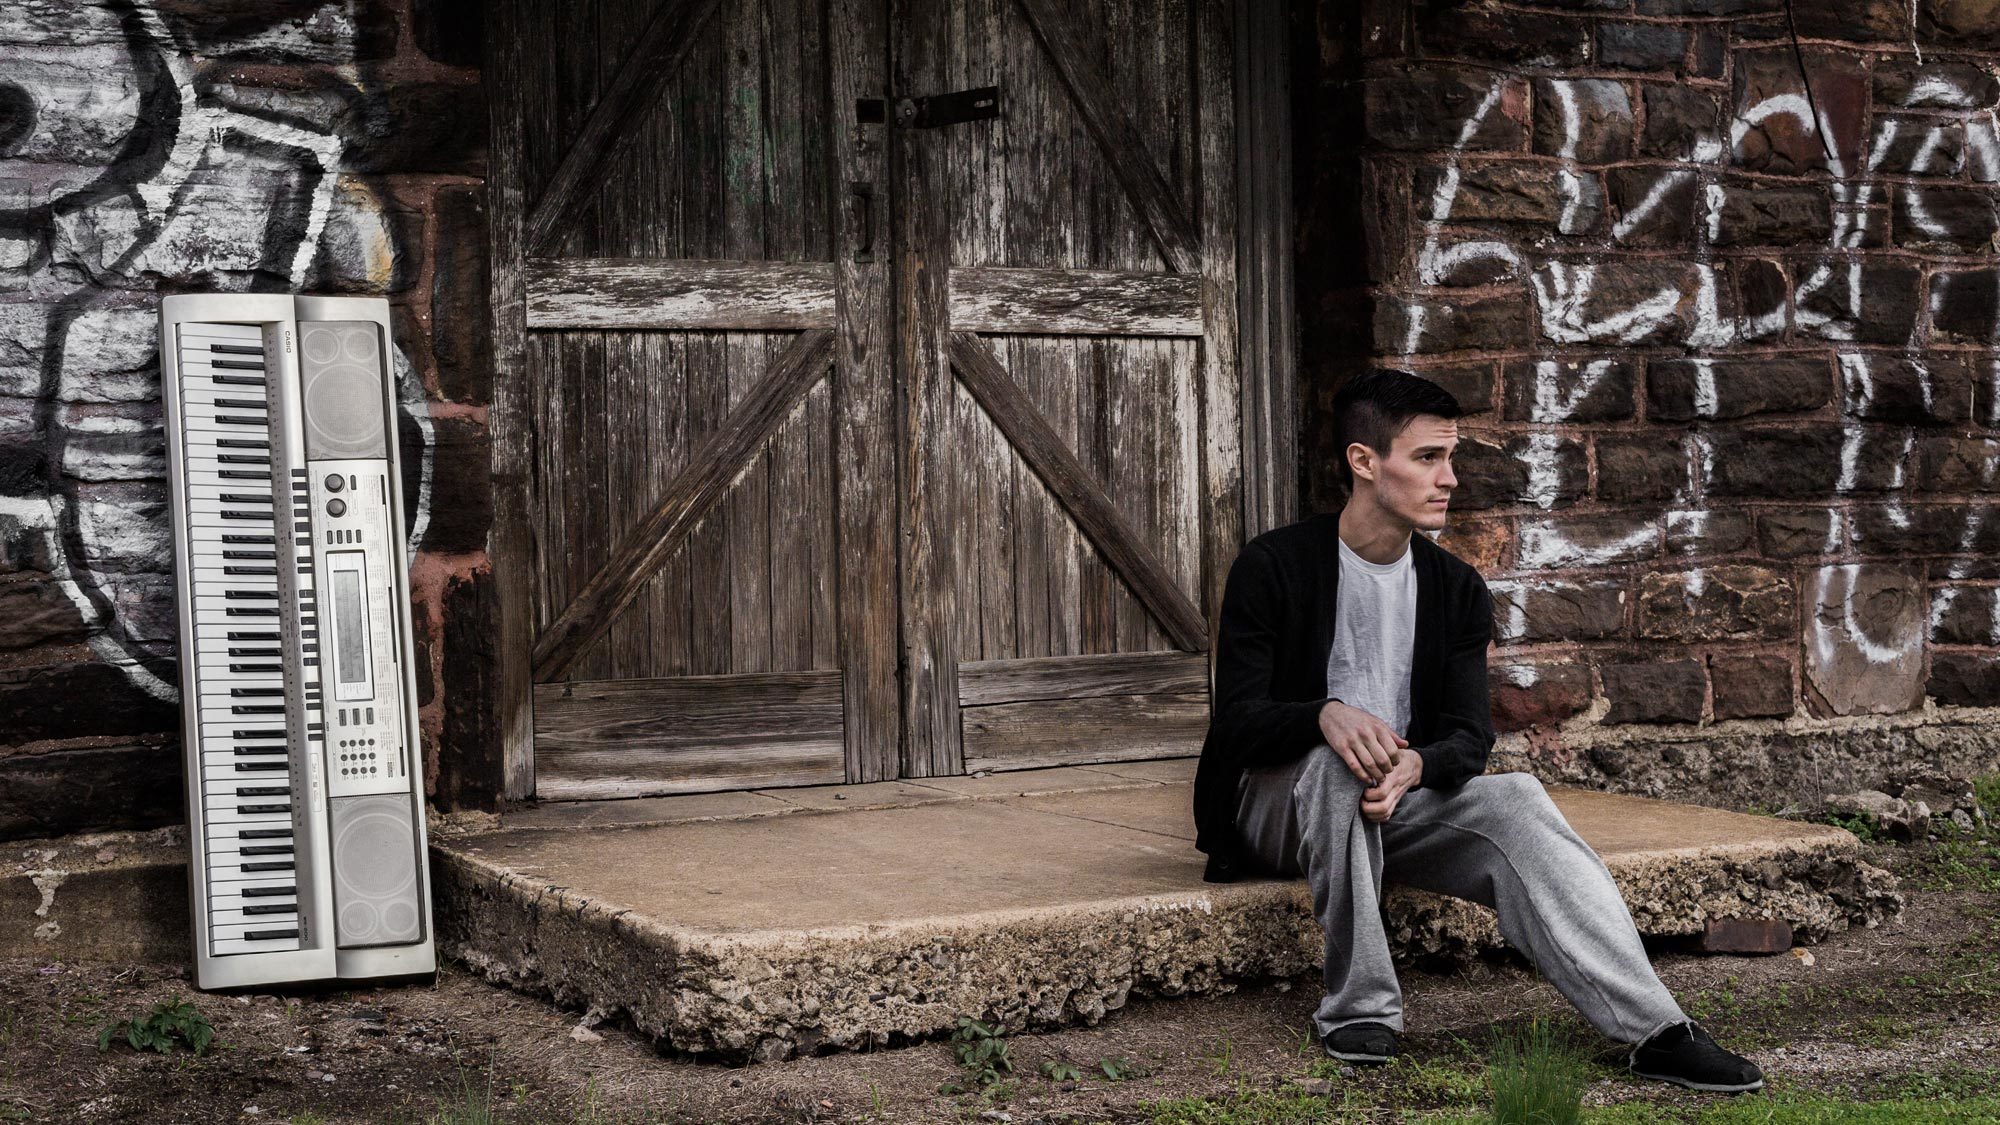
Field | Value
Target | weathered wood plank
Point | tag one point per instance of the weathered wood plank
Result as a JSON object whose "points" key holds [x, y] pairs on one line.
{"points": [[511, 425], [634, 293], [1267, 324], [1075, 302], [1078, 491], [1106, 728], [930, 573], [866, 476], [653, 59], [630, 738], [1055, 26], [1221, 390], [747, 502], [721, 456], [985, 682]]}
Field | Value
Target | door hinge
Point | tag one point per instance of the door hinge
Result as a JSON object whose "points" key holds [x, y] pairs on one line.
{"points": [[932, 111]]}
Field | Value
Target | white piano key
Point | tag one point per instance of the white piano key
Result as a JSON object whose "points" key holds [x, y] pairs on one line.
{"points": [[220, 331]]}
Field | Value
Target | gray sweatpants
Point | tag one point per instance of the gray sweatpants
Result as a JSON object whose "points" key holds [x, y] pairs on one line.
{"points": [[1497, 840]]}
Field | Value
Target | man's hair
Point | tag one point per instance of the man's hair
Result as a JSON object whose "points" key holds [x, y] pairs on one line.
{"points": [[1373, 408]]}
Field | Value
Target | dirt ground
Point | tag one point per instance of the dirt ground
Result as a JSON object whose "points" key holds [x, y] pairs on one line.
{"points": [[1911, 1009]]}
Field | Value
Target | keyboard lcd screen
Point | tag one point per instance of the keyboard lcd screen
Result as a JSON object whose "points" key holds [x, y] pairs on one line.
{"points": [[350, 627]]}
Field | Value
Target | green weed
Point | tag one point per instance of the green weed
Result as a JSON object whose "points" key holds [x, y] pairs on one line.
{"points": [[981, 1051], [1537, 1077], [171, 1023]]}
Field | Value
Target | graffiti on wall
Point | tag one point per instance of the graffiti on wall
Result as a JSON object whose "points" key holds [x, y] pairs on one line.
{"points": [[124, 174], [1865, 623]]}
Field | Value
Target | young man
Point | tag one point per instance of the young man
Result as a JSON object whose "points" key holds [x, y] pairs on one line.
{"points": [[1347, 740]]}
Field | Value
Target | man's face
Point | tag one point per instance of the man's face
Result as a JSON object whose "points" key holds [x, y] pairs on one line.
{"points": [[1415, 479]]}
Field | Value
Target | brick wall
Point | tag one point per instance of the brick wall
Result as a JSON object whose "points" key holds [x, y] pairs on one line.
{"points": [[1726, 329], [159, 146]]}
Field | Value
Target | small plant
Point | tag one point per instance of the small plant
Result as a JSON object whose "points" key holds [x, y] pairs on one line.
{"points": [[1062, 1070], [170, 1022], [1118, 1068], [981, 1051], [1538, 1079], [1225, 1054], [1861, 824]]}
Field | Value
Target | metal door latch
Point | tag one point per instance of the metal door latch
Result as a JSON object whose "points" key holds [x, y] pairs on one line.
{"points": [[932, 111]]}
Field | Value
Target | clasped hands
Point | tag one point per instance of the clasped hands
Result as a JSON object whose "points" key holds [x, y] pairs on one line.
{"points": [[1380, 757]]}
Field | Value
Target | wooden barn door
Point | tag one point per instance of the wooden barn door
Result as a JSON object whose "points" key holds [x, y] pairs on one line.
{"points": [[1066, 296], [708, 395]]}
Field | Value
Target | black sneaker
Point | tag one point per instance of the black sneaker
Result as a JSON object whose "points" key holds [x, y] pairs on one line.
{"points": [[1369, 1043], [1683, 1054]]}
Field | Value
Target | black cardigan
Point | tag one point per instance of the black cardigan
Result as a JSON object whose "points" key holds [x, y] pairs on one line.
{"points": [[1271, 649]]}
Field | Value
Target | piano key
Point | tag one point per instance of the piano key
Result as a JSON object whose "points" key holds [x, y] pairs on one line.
{"points": [[217, 330], [265, 914], [229, 947]]}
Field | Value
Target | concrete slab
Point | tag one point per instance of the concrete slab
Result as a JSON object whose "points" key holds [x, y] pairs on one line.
{"points": [[1164, 770], [636, 811], [878, 795], [756, 938], [1023, 783]]}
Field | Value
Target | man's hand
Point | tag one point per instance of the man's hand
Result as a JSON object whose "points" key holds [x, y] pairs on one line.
{"points": [[1378, 802], [1363, 741]]}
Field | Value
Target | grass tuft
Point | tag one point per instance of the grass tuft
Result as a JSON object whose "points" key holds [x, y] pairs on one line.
{"points": [[1538, 1078]]}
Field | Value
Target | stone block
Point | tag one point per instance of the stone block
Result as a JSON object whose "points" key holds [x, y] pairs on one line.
{"points": [[1948, 463], [1917, 146], [1586, 119], [1774, 463], [1683, 390], [1655, 205], [113, 441], [1962, 306], [1935, 84], [461, 327], [1751, 687], [1567, 542], [1501, 35], [1426, 108], [1537, 695], [371, 244], [34, 610], [1773, 135], [452, 32], [1642, 46], [1633, 468], [1482, 543], [1788, 533], [1541, 610], [1682, 123], [1471, 384], [1546, 470], [1708, 7], [461, 509], [1982, 149], [1727, 602], [1921, 392], [287, 31], [1885, 293], [1710, 57], [1569, 390], [1667, 691], [1973, 24], [1893, 816], [1965, 615], [1949, 220], [1857, 21], [1897, 530], [1964, 679], [1706, 532], [468, 766], [1620, 302], [1864, 639], [1763, 299], [1770, 216], [1443, 324], [75, 700], [1510, 193]]}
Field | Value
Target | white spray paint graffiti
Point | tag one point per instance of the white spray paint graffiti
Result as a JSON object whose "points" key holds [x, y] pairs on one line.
{"points": [[178, 202], [1571, 312]]}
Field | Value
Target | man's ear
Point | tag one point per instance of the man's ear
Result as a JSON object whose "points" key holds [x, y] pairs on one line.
{"points": [[1366, 457]]}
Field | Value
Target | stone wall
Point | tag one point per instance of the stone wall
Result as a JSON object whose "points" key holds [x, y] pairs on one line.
{"points": [[1722, 304], [160, 146]]}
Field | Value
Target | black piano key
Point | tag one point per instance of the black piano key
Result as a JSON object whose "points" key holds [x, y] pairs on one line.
{"points": [[237, 380], [259, 751], [258, 732], [244, 498], [249, 709], [242, 443], [238, 364], [263, 791], [255, 652], [251, 810], [265, 834], [246, 611], [233, 514], [271, 908], [271, 555], [247, 692], [266, 849], [236, 349], [259, 767], [241, 403], [269, 865], [260, 420], [270, 570], [270, 892], [271, 540], [241, 474], [236, 636], [261, 935], [240, 459], [250, 595], [248, 668]]}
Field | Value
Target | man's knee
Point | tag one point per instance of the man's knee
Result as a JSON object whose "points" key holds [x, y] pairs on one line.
{"points": [[1515, 801]]}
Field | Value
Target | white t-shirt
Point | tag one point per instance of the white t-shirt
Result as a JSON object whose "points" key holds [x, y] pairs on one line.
{"points": [[1374, 636]]}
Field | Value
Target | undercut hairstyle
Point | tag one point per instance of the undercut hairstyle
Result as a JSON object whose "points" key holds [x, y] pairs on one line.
{"points": [[1373, 408]]}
